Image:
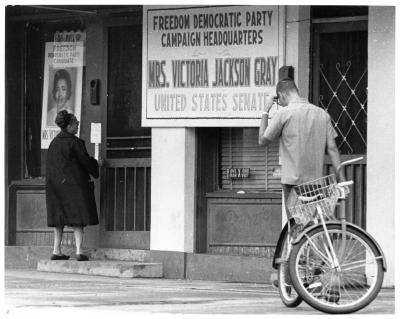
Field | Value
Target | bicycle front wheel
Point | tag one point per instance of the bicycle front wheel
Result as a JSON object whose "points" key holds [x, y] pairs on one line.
{"points": [[344, 289], [288, 294]]}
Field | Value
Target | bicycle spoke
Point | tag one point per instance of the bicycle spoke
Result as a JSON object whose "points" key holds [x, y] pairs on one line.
{"points": [[318, 252], [354, 264], [345, 287], [349, 250]]}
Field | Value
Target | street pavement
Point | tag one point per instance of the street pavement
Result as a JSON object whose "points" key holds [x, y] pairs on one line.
{"points": [[33, 294]]}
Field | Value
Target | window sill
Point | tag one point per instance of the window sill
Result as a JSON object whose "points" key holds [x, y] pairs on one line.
{"points": [[247, 194], [30, 182]]}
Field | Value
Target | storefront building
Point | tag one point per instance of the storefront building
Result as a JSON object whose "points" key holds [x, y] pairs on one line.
{"points": [[170, 100]]}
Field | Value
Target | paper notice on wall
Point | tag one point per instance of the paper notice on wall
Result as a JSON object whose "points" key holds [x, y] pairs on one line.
{"points": [[95, 137], [95, 133]]}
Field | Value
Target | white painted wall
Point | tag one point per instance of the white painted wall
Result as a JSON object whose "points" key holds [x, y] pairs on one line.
{"points": [[381, 132], [172, 189], [298, 45]]}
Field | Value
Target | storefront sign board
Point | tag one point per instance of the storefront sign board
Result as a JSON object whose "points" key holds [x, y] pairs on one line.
{"points": [[209, 66]]}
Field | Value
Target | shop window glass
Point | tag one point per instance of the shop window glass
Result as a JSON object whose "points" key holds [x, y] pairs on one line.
{"points": [[33, 101], [333, 11], [343, 84], [239, 151], [126, 138], [37, 34]]}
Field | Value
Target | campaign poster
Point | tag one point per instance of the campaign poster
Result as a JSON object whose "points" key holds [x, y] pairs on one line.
{"points": [[62, 86]]}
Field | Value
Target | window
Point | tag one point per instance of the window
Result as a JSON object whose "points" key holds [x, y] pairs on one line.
{"points": [[126, 138], [37, 34], [239, 149]]}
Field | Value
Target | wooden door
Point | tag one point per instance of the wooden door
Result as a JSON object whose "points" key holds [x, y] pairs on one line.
{"points": [[126, 172], [339, 85]]}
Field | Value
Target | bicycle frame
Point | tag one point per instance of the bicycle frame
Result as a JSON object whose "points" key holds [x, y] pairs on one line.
{"points": [[343, 223]]}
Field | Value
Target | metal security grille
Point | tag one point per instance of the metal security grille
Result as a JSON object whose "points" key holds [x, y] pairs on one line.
{"points": [[340, 86], [126, 205], [347, 105]]}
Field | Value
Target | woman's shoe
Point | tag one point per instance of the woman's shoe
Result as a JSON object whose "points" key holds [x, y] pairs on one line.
{"points": [[59, 257], [81, 257]]}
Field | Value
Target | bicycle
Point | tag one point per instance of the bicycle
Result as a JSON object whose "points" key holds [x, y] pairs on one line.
{"points": [[334, 266]]}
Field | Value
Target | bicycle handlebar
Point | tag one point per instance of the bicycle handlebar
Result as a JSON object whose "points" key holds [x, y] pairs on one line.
{"points": [[343, 184], [343, 164]]}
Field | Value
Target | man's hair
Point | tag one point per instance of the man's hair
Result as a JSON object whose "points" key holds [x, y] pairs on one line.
{"points": [[286, 85]]}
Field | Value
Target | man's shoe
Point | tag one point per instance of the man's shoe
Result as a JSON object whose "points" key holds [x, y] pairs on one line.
{"points": [[81, 257], [315, 288], [59, 257]]}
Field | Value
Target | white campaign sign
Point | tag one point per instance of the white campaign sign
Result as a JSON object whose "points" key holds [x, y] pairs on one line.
{"points": [[209, 66], [62, 85]]}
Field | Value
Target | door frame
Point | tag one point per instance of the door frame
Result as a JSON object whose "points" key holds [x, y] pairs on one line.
{"points": [[356, 203], [117, 239]]}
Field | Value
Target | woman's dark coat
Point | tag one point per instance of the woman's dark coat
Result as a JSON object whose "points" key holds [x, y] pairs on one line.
{"points": [[69, 192]]}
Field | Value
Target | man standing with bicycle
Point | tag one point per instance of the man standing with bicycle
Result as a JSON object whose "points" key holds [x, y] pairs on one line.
{"points": [[304, 131], [335, 267]]}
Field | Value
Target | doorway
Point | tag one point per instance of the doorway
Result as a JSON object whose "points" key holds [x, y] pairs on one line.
{"points": [[126, 172], [339, 85]]}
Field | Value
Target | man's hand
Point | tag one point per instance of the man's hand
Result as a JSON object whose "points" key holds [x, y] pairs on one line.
{"points": [[269, 101], [264, 119]]}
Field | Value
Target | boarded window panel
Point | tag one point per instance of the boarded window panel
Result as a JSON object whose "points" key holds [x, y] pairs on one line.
{"points": [[239, 149], [273, 167]]}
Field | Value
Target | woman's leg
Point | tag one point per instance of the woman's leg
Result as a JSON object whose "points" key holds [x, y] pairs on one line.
{"points": [[78, 233], [58, 233]]}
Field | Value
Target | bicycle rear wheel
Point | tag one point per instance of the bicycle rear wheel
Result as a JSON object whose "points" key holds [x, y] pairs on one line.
{"points": [[288, 294], [347, 289]]}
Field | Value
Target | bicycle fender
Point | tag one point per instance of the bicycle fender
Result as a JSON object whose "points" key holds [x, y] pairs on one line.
{"points": [[348, 225], [278, 249]]}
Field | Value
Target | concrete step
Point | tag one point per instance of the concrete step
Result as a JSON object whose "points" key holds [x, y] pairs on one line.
{"points": [[175, 265], [118, 254], [108, 268]]}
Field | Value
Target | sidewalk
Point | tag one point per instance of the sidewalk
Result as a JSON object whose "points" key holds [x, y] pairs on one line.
{"points": [[29, 293]]}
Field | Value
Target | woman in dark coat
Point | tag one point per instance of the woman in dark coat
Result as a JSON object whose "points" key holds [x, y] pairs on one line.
{"points": [[69, 190]]}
